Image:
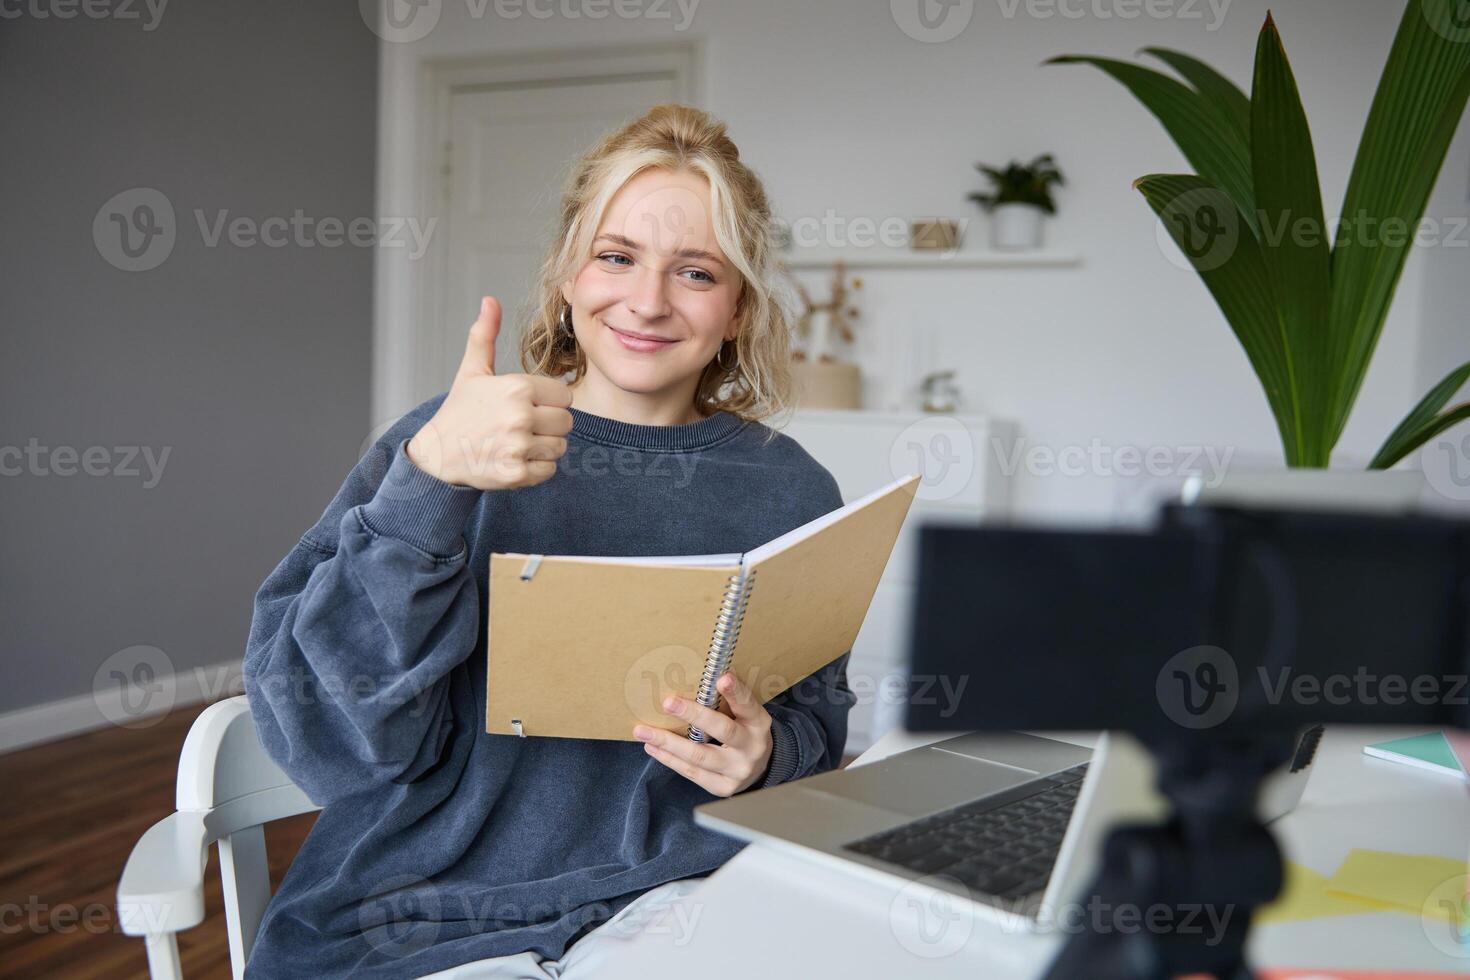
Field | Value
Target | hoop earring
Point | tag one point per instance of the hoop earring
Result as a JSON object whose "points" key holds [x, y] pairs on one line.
{"points": [[565, 322], [720, 359]]}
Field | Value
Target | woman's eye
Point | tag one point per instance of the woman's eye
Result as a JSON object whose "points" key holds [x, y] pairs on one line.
{"points": [[706, 278]]}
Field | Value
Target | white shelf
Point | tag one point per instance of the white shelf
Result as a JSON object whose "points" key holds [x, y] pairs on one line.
{"points": [[885, 257]]}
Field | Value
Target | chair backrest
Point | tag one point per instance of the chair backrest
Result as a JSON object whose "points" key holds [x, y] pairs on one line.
{"points": [[225, 774], [223, 763]]}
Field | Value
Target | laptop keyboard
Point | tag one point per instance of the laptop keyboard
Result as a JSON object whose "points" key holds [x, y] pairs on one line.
{"points": [[1003, 845]]}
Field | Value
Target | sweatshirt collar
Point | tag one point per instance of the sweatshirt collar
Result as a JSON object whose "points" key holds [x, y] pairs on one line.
{"points": [[657, 438]]}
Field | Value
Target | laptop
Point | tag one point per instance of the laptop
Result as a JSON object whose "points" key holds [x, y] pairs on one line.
{"points": [[1014, 823]]}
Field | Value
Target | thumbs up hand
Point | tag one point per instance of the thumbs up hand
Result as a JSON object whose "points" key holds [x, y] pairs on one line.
{"points": [[494, 432]]}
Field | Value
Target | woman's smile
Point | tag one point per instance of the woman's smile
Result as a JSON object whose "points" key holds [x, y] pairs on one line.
{"points": [[644, 343]]}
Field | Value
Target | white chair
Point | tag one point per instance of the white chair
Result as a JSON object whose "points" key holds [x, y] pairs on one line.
{"points": [[227, 789]]}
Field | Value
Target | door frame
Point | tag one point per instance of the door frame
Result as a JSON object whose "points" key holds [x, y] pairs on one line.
{"points": [[410, 293]]}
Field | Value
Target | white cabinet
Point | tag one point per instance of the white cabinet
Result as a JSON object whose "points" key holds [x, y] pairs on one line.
{"points": [[961, 458]]}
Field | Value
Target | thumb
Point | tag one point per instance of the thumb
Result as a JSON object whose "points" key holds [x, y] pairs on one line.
{"points": [[742, 702], [479, 349]]}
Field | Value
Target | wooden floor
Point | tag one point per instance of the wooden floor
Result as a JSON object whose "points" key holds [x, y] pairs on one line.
{"points": [[69, 814]]}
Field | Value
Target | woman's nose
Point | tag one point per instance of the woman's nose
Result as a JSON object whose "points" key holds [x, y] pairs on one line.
{"points": [[649, 298]]}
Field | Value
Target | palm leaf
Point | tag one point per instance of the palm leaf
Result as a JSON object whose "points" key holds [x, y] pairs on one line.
{"points": [[1294, 242], [1234, 271], [1308, 312], [1207, 139], [1424, 422], [1233, 104], [1418, 105]]}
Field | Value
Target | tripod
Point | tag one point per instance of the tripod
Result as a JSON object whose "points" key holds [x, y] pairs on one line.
{"points": [[1212, 861]]}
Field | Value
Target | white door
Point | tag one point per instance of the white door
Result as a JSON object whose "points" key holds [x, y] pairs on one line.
{"points": [[511, 146]]}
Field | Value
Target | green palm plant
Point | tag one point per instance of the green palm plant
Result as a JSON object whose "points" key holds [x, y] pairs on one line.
{"points": [[1308, 305]]}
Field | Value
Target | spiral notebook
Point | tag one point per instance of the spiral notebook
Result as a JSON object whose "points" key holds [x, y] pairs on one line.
{"points": [[587, 647]]}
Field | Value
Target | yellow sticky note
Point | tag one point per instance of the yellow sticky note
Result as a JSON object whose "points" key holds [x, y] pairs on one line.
{"points": [[1304, 896], [1422, 884]]}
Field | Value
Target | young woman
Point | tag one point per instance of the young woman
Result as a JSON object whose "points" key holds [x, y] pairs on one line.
{"points": [[444, 849]]}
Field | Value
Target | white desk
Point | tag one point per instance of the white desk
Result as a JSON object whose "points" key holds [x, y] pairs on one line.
{"points": [[769, 915]]}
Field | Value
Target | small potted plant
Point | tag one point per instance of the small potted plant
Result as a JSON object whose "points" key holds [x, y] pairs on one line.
{"points": [[1021, 194]]}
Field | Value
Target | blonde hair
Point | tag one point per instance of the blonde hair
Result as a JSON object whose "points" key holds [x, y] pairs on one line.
{"points": [[673, 137]]}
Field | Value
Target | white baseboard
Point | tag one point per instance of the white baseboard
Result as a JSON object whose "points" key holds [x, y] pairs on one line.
{"points": [[113, 705]]}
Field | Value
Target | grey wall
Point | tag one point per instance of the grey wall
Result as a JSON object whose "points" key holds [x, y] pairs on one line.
{"points": [[248, 364]]}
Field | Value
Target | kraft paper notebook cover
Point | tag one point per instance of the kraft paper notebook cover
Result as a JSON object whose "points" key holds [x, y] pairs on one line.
{"points": [[586, 647]]}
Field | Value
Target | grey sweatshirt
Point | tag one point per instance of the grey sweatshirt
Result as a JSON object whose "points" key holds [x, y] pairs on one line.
{"points": [[439, 843]]}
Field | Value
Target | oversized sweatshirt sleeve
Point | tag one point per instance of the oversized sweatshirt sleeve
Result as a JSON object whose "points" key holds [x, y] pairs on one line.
{"points": [[809, 719], [809, 724], [355, 631]]}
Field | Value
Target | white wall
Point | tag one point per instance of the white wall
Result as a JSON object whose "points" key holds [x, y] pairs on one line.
{"points": [[839, 109], [1445, 311]]}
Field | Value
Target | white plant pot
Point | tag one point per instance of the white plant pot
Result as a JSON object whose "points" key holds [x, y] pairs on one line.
{"points": [[1015, 227], [1385, 491]]}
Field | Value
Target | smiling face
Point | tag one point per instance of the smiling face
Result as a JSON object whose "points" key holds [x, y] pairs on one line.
{"points": [[657, 297]]}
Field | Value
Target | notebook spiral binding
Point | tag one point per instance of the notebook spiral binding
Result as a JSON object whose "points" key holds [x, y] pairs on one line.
{"points": [[722, 643]]}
